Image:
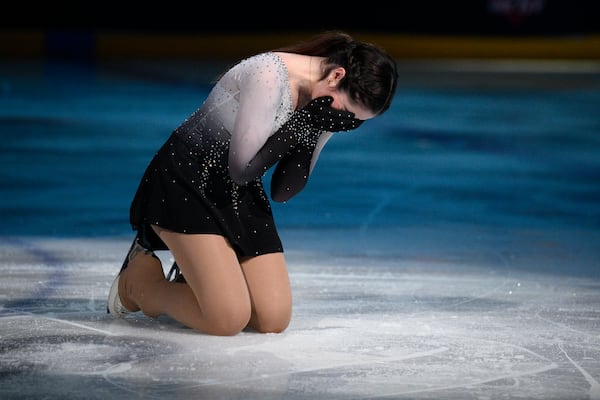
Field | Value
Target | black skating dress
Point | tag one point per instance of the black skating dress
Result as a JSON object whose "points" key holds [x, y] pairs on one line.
{"points": [[187, 187]]}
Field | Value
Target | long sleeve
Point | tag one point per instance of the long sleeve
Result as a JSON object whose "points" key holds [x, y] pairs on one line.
{"points": [[264, 104], [264, 131], [303, 128], [276, 148], [292, 172]]}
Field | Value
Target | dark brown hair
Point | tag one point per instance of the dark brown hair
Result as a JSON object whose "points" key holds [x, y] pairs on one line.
{"points": [[371, 73]]}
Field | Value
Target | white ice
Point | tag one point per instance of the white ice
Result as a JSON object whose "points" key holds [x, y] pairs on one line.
{"points": [[466, 324]]}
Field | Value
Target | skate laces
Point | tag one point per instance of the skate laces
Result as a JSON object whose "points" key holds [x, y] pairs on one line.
{"points": [[175, 274]]}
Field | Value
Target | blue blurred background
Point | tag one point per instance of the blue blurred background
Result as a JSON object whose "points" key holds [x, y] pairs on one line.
{"points": [[495, 124]]}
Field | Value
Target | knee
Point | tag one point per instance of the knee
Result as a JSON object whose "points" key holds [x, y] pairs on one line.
{"points": [[272, 319], [228, 320]]}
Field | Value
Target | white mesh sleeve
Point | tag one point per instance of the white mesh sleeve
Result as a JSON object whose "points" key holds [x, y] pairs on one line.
{"points": [[260, 94]]}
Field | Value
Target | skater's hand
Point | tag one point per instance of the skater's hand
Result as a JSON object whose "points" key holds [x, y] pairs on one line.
{"points": [[319, 114]]}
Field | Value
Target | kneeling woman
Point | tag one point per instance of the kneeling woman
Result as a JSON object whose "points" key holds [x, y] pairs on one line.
{"points": [[202, 196]]}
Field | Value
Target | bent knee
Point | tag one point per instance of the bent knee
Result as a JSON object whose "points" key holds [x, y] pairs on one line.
{"points": [[274, 320], [272, 326], [226, 328], [227, 322]]}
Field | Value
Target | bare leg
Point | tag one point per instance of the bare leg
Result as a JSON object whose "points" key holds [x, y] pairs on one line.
{"points": [[220, 296], [269, 286], [215, 297], [143, 272]]}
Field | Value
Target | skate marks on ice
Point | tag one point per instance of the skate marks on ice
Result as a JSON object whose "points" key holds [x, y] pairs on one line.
{"points": [[324, 362], [395, 329]]}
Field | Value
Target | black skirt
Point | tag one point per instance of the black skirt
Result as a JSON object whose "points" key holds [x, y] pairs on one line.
{"points": [[186, 188]]}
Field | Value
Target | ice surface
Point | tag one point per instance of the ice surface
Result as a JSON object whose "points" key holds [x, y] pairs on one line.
{"points": [[363, 328]]}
